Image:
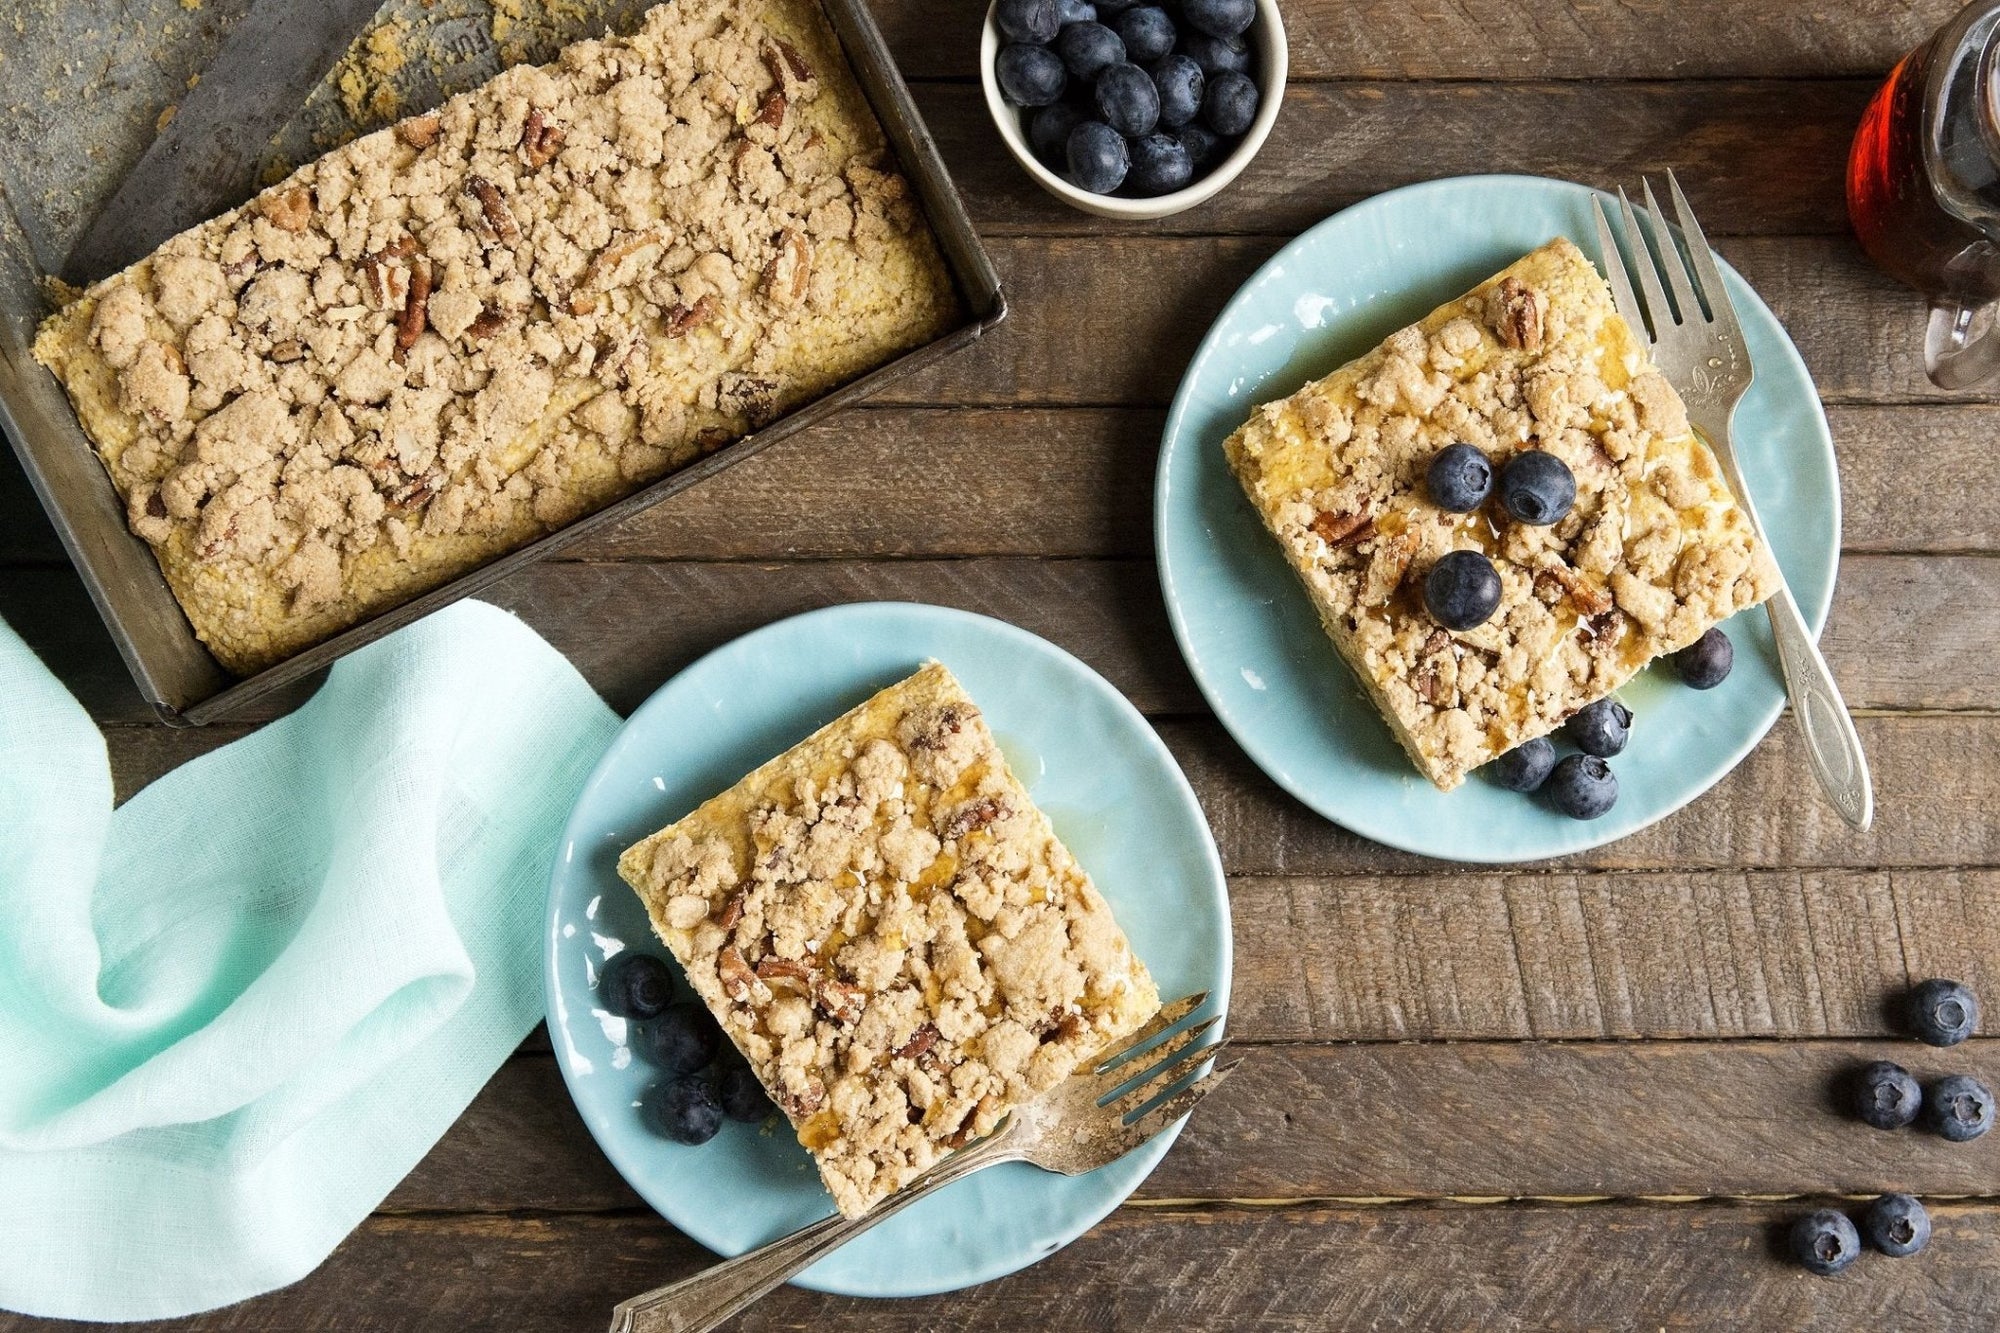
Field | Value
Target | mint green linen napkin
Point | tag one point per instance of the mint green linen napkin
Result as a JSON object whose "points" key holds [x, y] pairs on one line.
{"points": [[237, 1010]]}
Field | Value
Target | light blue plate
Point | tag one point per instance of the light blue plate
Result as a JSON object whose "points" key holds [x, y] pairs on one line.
{"points": [[1250, 635], [1108, 783]]}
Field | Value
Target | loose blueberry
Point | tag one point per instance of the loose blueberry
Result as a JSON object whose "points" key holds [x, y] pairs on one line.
{"points": [[687, 1111], [636, 985], [1075, 11], [1825, 1242], [1098, 158], [1203, 147], [1705, 663], [1159, 165], [1886, 1095], [1525, 767], [1147, 32], [1959, 1107], [1029, 75], [742, 1096], [1048, 132], [1583, 787], [1217, 55], [1943, 1013], [1028, 20], [1601, 728], [1462, 591], [1127, 100], [683, 1039], [1179, 82], [1537, 487], [1219, 18], [1231, 103], [1460, 478], [1897, 1225], [1088, 49]]}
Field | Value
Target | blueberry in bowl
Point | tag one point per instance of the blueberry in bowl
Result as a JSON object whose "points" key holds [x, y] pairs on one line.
{"points": [[1191, 86]]}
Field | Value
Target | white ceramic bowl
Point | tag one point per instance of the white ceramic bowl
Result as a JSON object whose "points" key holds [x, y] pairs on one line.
{"points": [[1267, 43]]}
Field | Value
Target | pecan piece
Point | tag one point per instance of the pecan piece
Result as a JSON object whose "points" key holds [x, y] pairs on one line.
{"points": [[604, 264], [919, 1044], [739, 983], [785, 969], [683, 320], [788, 276], [750, 395], [799, 1103], [499, 218], [1516, 315], [1430, 685], [732, 912], [489, 321], [416, 491], [155, 506], [1588, 599], [290, 211], [1339, 530], [540, 141], [375, 268], [416, 310], [1438, 641], [710, 438], [840, 1001], [975, 816], [1063, 1025], [419, 132], [287, 351], [782, 58], [772, 113]]}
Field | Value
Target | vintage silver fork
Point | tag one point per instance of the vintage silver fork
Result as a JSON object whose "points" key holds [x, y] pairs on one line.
{"points": [[1092, 1118], [1703, 355]]}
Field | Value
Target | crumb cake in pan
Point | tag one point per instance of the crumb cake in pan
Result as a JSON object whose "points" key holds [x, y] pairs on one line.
{"points": [[1654, 552], [454, 336], [890, 931]]}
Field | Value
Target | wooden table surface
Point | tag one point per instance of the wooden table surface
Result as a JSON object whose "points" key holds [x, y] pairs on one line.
{"points": [[1588, 1093]]}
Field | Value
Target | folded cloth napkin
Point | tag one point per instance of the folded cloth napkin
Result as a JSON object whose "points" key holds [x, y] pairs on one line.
{"points": [[237, 1010]]}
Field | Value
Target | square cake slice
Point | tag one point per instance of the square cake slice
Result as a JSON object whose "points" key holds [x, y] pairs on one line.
{"points": [[1653, 553], [893, 935]]}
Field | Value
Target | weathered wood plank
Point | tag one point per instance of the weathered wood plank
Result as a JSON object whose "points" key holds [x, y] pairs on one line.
{"points": [[1763, 815], [1105, 320], [1906, 633], [1064, 482], [1515, 39], [1386, 1120], [1283, 1270], [1765, 157], [1553, 955]]}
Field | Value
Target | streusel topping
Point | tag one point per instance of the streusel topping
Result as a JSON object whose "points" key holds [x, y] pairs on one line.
{"points": [[893, 935]]}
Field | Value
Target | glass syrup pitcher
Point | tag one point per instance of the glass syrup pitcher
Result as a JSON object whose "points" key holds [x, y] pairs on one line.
{"points": [[1923, 190]]}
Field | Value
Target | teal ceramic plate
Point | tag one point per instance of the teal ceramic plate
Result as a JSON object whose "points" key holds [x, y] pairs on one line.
{"points": [[1115, 796], [1249, 633]]}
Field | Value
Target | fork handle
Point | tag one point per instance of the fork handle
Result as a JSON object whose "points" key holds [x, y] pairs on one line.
{"points": [[698, 1303], [1831, 744]]}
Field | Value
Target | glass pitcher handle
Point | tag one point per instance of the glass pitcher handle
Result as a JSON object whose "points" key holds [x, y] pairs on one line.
{"points": [[1962, 340]]}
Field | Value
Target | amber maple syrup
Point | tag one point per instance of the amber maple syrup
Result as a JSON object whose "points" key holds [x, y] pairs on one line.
{"points": [[1923, 188]]}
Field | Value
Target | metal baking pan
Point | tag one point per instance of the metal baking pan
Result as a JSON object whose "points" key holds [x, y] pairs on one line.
{"points": [[52, 170]]}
